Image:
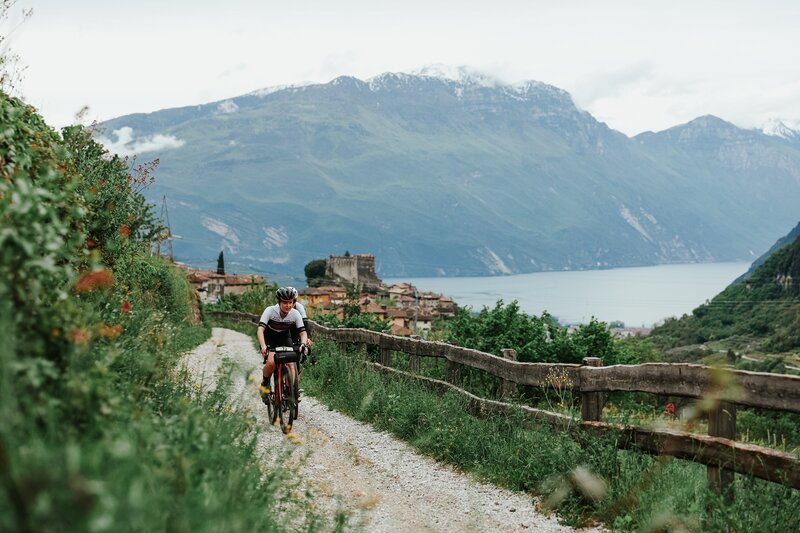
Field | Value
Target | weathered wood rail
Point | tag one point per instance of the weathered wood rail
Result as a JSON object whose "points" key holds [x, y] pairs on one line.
{"points": [[721, 390]]}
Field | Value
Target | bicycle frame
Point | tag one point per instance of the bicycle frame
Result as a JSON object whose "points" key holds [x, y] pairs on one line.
{"points": [[285, 356]]}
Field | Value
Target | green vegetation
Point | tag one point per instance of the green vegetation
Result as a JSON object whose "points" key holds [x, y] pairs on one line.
{"points": [[535, 339], [221, 264], [315, 272], [251, 301], [99, 430], [586, 479], [762, 311]]}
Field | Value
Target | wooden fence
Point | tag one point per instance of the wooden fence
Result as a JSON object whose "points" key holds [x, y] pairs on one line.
{"points": [[719, 389]]}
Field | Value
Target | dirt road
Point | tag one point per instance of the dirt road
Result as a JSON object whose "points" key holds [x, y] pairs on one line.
{"points": [[379, 482]]}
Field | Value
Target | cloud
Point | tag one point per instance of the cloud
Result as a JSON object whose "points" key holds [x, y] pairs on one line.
{"points": [[128, 144], [228, 106]]}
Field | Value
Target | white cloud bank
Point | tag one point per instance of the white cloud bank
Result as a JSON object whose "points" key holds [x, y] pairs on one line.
{"points": [[128, 144]]}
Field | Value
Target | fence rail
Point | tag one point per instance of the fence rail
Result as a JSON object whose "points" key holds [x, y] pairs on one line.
{"points": [[726, 387]]}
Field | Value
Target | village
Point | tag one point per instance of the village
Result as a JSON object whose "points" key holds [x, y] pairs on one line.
{"points": [[408, 310]]}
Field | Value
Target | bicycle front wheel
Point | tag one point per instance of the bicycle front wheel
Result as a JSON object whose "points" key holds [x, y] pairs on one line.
{"points": [[288, 400]]}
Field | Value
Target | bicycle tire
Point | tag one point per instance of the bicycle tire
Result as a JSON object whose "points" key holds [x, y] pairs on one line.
{"points": [[296, 389], [272, 411], [287, 400]]}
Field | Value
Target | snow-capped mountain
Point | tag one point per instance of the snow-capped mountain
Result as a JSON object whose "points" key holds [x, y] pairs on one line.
{"points": [[779, 128]]}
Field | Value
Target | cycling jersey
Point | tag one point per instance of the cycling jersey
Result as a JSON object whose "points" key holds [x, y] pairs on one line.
{"points": [[278, 330], [295, 332]]}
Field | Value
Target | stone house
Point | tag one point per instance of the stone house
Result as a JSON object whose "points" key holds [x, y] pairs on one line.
{"points": [[322, 299], [240, 283], [210, 286]]}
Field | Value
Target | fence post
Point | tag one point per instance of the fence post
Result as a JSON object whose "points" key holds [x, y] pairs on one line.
{"points": [[722, 423], [453, 373], [384, 357], [342, 344], [508, 388], [592, 402], [413, 360]]}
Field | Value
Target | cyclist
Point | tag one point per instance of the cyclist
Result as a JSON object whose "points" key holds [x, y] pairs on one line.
{"points": [[301, 308], [274, 329]]}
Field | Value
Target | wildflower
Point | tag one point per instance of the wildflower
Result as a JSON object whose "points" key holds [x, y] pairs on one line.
{"points": [[91, 243], [94, 279], [111, 331], [669, 410], [125, 307], [79, 336], [124, 231]]}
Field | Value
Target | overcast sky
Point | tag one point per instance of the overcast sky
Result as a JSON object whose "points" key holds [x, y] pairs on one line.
{"points": [[636, 65]]}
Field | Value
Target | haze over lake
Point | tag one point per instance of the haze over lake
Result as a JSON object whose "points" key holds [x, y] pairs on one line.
{"points": [[638, 296]]}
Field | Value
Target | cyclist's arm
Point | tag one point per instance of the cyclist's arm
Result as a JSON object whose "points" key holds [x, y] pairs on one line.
{"points": [[308, 337], [300, 324], [261, 340]]}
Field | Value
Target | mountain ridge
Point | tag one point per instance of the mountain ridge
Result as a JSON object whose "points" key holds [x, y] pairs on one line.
{"points": [[440, 177]]}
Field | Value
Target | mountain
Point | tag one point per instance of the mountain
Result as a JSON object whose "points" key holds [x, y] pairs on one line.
{"points": [[762, 311], [780, 243], [458, 175], [778, 128]]}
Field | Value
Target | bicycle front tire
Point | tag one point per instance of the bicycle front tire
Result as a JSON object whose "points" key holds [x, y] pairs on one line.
{"points": [[287, 400]]}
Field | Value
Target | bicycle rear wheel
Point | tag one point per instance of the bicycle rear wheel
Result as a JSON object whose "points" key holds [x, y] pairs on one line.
{"points": [[288, 400]]}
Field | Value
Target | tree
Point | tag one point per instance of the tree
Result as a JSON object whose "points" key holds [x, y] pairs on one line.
{"points": [[221, 264], [315, 271]]}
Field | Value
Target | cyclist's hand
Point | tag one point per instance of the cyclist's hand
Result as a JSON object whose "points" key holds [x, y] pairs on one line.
{"points": [[303, 352], [264, 350], [308, 342]]}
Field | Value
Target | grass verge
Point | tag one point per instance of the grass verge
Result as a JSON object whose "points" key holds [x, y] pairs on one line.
{"points": [[585, 478]]}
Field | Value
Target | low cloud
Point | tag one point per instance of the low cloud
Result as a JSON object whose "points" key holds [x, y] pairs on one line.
{"points": [[128, 144], [228, 106]]}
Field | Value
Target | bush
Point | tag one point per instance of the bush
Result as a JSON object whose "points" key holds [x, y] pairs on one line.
{"points": [[98, 433]]}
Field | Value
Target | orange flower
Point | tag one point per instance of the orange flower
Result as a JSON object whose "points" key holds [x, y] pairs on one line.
{"points": [[91, 280], [79, 336], [111, 331], [125, 307], [124, 230], [91, 243]]}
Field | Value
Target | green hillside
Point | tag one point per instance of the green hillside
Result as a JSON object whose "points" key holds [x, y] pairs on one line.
{"points": [[439, 177], [762, 310]]}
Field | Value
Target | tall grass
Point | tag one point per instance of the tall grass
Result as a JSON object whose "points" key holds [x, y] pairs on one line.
{"points": [[636, 491]]}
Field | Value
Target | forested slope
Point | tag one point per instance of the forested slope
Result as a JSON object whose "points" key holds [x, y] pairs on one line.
{"points": [[763, 308]]}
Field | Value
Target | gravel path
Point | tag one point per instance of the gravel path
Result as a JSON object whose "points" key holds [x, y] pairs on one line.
{"points": [[378, 481]]}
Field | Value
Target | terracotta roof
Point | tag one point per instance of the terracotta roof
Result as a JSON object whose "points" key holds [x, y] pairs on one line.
{"points": [[243, 279], [400, 330], [372, 307], [201, 276], [397, 313]]}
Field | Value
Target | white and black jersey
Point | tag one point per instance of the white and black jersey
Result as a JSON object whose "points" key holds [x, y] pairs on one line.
{"points": [[296, 333], [278, 330]]}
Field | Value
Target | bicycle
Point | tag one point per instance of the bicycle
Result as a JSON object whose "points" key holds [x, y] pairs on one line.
{"points": [[282, 403]]}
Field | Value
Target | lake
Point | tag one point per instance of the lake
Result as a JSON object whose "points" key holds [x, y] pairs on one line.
{"points": [[637, 296]]}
